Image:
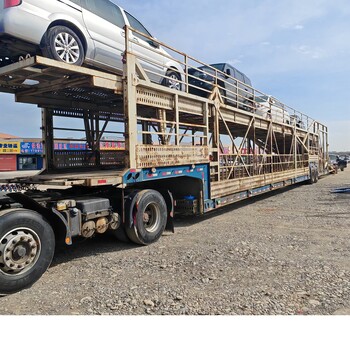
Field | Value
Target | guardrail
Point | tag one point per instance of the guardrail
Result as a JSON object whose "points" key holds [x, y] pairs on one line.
{"points": [[201, 79]]}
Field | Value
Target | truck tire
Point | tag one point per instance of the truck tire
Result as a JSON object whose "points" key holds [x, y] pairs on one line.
{"points": [[120, 234], [63, 44], [312, 177], [149, 217], [27, 245]]}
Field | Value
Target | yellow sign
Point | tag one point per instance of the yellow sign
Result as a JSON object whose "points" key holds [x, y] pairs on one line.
{"points": [[10, 147]]}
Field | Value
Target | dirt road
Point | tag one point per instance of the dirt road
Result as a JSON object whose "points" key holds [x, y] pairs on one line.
{"points": [[286, 253]]}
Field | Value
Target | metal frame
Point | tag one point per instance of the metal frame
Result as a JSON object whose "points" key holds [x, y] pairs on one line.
{"points": [[162, 127]]}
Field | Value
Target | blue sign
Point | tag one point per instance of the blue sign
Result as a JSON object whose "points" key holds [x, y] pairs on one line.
{"points": [[70, 146], [37, 147], [31, 148]]}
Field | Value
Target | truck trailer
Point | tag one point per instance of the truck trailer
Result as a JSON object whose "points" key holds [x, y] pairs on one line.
{"points": [[176, 153]]}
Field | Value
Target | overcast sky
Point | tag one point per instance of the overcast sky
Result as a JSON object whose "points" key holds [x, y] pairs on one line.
{"points": [[296, 50]]}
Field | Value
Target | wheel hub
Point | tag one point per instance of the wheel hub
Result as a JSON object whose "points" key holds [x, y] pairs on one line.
{"points": [[67, 48], [151, 217], [173, 83], [145, 217], [19, 250]]}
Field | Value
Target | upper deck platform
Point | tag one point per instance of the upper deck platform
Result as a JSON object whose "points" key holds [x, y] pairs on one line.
{"points": [[49, 83], [159, 126]]}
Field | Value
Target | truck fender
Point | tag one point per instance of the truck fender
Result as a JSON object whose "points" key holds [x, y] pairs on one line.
{"points": [[169, 200], [130, 202], [53, 216]]}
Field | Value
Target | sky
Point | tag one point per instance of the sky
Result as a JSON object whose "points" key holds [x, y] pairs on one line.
{"points": [[295, 50]]}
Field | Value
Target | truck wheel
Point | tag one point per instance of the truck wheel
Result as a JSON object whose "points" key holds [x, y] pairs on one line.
{"points": [[63, 44], [27, 245], [149, 215], [312, 177], [120, 234], [173, 80]]}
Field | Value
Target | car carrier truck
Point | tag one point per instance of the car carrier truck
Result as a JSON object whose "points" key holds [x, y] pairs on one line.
{"points": [[180, 153]]}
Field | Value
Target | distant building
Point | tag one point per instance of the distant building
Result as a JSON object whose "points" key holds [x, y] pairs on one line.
{"points": [[13, 155], [8, 137], [18, 153]]}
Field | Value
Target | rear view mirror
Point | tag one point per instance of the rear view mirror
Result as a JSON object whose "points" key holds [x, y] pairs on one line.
{"points": [[228, 71], [154, 44]]}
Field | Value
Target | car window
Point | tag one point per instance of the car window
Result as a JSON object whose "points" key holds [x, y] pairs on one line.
{"points": [[247, 81], [261, 99], [230, 70], [239, 76], [76, 2], [134, 23], [279, 104], [218, 66], [106, 10]]}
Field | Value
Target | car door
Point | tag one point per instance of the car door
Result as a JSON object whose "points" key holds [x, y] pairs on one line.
{"points": [[284, 115], [105, 22], [74, 4], [249, 94], [230, 85], [149, 53], [276, 111], [69, 2], [241, 88]]}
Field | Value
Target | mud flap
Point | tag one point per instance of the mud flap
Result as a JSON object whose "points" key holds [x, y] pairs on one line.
{"points": [[169, 200], [130, 202]]}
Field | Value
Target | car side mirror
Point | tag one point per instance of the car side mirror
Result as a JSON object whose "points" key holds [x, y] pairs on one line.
{"points": [[228, 71], [154, 44]]}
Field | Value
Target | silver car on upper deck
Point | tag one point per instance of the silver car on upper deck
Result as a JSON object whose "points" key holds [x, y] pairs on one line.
{"points": [[89, 32]]}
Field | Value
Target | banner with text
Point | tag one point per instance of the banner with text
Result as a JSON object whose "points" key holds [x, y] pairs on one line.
{"points": [[12, 147]]}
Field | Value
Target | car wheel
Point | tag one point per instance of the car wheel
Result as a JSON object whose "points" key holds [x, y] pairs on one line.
{"points": [[63, 44], [173, 80]]}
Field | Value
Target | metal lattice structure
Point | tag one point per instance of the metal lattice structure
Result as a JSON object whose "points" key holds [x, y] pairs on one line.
{"points": [[241, 149]]}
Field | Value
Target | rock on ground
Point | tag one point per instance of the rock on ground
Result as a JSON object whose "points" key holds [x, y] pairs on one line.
{"points": [[285, 253]]}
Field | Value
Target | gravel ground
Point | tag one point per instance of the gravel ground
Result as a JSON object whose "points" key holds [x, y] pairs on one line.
{"points": [[285, 253]]}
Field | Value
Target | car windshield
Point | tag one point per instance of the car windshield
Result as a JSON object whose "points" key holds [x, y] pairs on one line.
{"points": [[261, 99], [218, 66], [137, 25]]}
